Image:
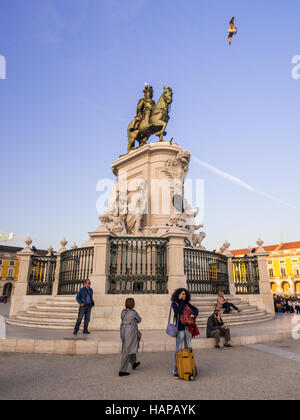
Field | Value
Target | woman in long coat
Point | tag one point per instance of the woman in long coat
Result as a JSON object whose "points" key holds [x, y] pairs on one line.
{"points": [[130, 336]]}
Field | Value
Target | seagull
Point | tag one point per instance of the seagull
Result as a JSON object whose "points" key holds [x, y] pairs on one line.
{"points": [[232, 31]]}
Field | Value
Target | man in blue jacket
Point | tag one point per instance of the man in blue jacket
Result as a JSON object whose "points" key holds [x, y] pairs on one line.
{"points": [[85, 299]]}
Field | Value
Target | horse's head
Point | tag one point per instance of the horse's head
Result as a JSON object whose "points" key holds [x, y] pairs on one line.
{"points": [[168, 95]]}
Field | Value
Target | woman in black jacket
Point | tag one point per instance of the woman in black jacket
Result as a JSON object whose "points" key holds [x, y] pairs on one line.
{"points": [[180, 298]]}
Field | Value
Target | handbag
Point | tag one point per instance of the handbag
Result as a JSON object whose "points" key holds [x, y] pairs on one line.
{"points": [[185, 317], [172, 330]]}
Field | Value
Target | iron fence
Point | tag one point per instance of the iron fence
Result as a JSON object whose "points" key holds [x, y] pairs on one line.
{"points": [[41, 277], [138, 266], [207, 272], [246, 275], [76, 265]]}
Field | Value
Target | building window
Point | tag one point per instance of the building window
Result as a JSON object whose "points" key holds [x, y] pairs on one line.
{"points": [[0, 262], [11, 263], [295, 271], [282, 262], [270, 262], [271, 272], [283, 272], [10, 272]]}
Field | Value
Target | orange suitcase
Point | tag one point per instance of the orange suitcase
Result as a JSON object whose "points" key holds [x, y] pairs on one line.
{"points": [[186, 364]]}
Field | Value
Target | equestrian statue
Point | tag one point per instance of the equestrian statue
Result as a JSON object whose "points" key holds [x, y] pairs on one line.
{"points": [[150, 118]]}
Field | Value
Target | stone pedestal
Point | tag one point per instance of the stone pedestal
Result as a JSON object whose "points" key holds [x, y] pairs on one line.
{"points": [[17, 301], [158, 170]]}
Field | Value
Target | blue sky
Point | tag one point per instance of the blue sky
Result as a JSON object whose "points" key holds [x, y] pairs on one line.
{"points": [[75, 71]]}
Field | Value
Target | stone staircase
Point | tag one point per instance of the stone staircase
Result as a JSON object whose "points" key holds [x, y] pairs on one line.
{"points": [[248, 315], [60, 313]]}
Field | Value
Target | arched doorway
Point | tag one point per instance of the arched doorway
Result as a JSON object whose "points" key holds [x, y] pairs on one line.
{"points": [[297, 287], [274, 287], [285, 287], [7, 290]]}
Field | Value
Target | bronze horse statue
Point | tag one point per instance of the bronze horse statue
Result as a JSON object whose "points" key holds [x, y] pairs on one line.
{"points": [[154, 124]]}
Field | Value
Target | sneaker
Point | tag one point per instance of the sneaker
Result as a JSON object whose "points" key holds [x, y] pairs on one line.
{"points": [[227, 345], [74, 332], [175, 375], [135, 365], [86, 332], [124, 373], [217, 346]]}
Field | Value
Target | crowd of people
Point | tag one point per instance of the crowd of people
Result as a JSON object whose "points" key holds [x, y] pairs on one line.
{"points": [[284, 304]]}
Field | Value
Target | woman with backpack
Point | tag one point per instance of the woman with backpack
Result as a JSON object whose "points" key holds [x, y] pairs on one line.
{"points": [[183, 309]]}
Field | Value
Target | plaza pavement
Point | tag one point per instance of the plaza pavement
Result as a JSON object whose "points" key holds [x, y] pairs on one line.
{"points": [[49, 341], [238, 373]]}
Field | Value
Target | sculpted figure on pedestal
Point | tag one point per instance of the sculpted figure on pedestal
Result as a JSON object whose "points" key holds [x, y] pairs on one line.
{"points": [[150, 118]]}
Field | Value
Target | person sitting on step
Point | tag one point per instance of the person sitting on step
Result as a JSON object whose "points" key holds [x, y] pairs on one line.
{"points": [[217, 329], [223, 303]]}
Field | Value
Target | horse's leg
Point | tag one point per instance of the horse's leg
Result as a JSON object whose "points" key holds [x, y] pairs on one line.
{"points": [[131, 140], [162, 133], [143, 141]]}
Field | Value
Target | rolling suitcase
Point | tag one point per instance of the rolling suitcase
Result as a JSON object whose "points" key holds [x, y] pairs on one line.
{"points": [[186, 364]]}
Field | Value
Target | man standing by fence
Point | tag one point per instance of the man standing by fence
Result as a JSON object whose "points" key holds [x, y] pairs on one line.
{"points": [[85, 299]]}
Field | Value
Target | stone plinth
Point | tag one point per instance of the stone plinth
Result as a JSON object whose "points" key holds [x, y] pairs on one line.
{"points": [[161, 169]]}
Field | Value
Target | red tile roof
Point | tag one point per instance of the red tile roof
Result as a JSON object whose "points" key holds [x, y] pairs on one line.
{"points": [[15, 249], [280, 247]]}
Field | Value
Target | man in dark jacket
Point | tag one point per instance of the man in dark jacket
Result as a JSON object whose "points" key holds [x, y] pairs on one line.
{"points": [[85, 299], [217, 329]]}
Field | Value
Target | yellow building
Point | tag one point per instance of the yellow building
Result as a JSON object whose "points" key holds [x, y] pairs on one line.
{"points": [[283, 267], [9, 268]]}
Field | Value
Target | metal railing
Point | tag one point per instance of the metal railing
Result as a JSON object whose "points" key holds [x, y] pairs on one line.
{"points": [[138, 266], [41, 277], [76, 265], [207, 272], [246, 275]]}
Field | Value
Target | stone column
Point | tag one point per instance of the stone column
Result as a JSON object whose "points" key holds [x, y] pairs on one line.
{"points": [[99, 278], [57, 269], [229, 255], [265, 298], [21, 284], [175, 259]]}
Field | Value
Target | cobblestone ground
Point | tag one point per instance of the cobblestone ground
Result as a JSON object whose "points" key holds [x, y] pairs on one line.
{"points": [[271, 371]]}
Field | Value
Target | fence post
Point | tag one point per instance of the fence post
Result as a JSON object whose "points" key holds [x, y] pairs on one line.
{"points": [[265, 298], [101, 262], [229, 255], [22, 282], [175, 260], [57, 269]]}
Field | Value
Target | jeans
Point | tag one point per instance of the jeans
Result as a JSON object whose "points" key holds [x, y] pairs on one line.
{"points": [[183, 340], [84, 311]]}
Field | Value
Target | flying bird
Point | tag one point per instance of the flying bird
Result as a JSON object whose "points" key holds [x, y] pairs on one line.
{"points": [[232, 31]]}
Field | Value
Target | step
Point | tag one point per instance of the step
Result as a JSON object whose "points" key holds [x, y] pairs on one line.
{"points": [[247, 312], [227, 318], [250, 321], [38, 324], [49, 312], [46, 318]]}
